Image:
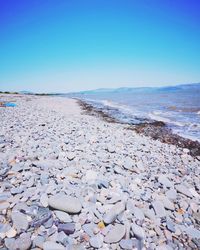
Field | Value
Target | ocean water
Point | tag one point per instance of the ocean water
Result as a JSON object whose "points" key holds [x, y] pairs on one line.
{"points": [[178, 107]]}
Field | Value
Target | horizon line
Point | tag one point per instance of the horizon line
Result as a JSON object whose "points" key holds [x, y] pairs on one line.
{"points": [[88, 90]]}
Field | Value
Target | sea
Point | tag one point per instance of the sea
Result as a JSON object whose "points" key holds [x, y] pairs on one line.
{"points": [[177, 106]]}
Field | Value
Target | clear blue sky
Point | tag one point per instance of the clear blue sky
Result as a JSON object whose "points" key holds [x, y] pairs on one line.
{"points": [[70, 45]]}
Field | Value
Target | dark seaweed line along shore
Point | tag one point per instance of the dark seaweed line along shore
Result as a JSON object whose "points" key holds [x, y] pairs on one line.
{"points": [[157, 130]]}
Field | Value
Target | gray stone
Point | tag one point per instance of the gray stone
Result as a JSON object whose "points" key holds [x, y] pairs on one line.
{"points": [[102, 183], [159, 208], [114, 199], [48, 223], [4, 196], [19, 221], [44, 200], [183, 190], [138, 231], [68, 228], [118, 170], [42, 216], [129, 164], [96, 241], [168, 204], [10, 243], [149, 213], [4, 227], [22, 243], [11, 233], [44, 178], [4, 205], [196, 216], [62, 238], [30, 182], [51, 245], [38, 241], [192, 232], [71, 156], [126, 244], [115, 234], [65, 203], [110, 149], [62, 216], [89, 228], [91, 175], [165, 181], [163, 247], [114, 212], [170, 225], [171, 194], [16, 190], [138, 213]]}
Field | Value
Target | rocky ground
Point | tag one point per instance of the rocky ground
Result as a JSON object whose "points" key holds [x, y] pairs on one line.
{"points": [[74, 181]]}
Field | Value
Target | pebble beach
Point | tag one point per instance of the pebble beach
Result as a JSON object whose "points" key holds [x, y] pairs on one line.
{"points": [[71, 181]]}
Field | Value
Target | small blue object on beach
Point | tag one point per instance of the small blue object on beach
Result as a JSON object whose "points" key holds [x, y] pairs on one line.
{"points": [[10, 104]]}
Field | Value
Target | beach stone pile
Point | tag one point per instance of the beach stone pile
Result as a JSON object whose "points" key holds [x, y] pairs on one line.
{"points": [[77, 182]]}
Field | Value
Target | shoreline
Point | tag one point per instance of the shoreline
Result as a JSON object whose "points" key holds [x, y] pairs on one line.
{"points": [[70, 180], [157, 130]]}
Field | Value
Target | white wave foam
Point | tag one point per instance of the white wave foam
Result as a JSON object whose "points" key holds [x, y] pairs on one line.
{"points": [[165, 119]]}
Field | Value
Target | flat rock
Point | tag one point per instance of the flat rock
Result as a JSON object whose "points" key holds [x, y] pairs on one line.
{"points": [[110, 149], [126, 244], [129, 164], [68, 228], [159, 208], [62, 216], [115, 234], [165, 181], [22, 243], [71, 156], [51, 245], [65, 203], [138, 231], [17, 190], [10, 243], [4, 205], [118, 170], [20, 221], [168, 204], [138, 213], [62, 238], [44, 200], [171, 194], [38, 241], [112, 214], [96, 241], [11, 233], [196, 216], [41, 216], [89, 229], [183, 190], [192, 232], [164, 247], [170, 225], [30, 182], [91, 175]]}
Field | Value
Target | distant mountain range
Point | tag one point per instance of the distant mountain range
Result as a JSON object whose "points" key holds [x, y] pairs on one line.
{"points": [[140, 89], [125, 90]]}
